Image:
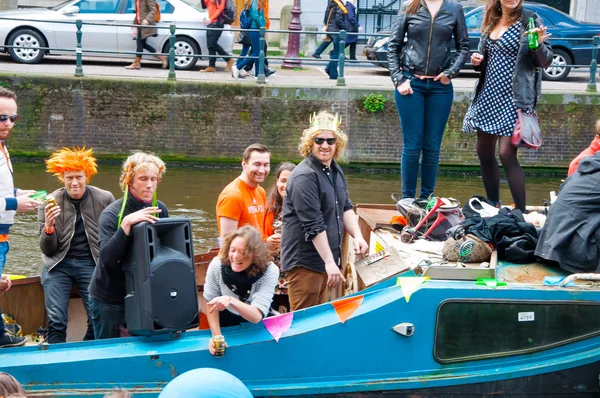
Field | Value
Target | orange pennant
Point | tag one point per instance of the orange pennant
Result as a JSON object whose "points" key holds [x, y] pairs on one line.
{"points": [[346, 307]]}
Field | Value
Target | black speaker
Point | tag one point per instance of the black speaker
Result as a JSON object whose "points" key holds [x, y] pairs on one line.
{"points": [[160, 280]]}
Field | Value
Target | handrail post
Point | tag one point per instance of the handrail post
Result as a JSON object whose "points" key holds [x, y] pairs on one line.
{"points": [[261, 58], [78, 50], [172, 54], [341, 81], [591, 87]]}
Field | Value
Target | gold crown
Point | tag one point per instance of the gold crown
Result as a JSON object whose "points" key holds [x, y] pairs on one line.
{"points": [[318, 124]]}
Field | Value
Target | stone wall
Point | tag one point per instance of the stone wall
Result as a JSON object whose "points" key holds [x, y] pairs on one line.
{"points": [[215, 122]]}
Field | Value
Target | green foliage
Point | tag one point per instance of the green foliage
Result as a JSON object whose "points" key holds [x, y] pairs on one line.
{"points": [[375, 103]]}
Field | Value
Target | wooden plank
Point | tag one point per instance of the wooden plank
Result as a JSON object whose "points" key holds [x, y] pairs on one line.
{"points": [[25, 302], [377, 217]]}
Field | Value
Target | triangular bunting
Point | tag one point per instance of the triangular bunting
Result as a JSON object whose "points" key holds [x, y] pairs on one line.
{"points": [[344, 308], [278, 325], [490, 282], [410, 285]]}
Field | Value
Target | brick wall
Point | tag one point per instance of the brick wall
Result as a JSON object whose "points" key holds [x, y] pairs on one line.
{"points": [[207, 122]]}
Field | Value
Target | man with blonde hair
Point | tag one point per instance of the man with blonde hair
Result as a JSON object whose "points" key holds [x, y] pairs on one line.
{"points": [[316, 212], [140, 175], [69, 237]]}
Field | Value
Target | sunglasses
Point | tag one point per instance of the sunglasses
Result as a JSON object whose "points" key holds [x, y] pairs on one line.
{"points": [[13, 118], [321, 141]]}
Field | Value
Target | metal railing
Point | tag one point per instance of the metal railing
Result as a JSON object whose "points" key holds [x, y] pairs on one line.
{"points": [[261, 78]]}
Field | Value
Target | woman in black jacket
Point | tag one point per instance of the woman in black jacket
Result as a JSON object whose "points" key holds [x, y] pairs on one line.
{"points": [[421, 68], [510, 79], [336, 21]]}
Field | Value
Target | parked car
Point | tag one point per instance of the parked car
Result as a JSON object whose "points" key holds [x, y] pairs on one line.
{"points": [[31, 34], [560, 25]]}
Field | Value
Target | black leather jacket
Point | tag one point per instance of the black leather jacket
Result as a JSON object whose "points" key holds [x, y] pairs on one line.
{"points": [[527, 78], [427, 48]]}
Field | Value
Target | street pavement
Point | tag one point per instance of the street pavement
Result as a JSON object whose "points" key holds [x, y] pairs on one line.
{"points": [[312, 74]]}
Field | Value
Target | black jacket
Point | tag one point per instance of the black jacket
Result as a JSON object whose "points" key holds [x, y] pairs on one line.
{"points": [[335, 17], [313, 204], [527, 78], [108, 281], [426, 50], [571, 234]]}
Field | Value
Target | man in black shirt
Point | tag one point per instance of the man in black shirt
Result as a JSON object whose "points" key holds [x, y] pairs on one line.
{"points": [[69, 237], [140, 176], [316, 212]]}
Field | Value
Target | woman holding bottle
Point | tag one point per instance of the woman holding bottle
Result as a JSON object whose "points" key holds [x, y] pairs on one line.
{"points": [[510, 80], [421, 67]]}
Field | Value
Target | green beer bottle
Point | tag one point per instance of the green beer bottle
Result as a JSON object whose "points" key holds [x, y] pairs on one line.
{"points": [[532, 37]]}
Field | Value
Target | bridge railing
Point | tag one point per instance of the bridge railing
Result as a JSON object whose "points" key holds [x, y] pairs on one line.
{"points": [[341, 37]]}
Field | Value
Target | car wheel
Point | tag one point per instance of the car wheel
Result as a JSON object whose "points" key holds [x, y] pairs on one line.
{"points": [[559, 70], [26, 46], [184, 49]]}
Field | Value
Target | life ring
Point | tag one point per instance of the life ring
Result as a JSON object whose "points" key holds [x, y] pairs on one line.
{"points": [[350, 280]]}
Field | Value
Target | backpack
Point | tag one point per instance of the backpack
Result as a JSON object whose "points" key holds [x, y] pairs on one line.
{"points": [[229, 12], [245, 20]]}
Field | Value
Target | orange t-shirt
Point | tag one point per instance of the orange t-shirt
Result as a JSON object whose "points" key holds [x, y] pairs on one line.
{"points": [[239, 201]]}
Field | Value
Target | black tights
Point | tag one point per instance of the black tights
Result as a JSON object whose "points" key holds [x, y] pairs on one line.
{"points": [[490, 172], [141, 44]]}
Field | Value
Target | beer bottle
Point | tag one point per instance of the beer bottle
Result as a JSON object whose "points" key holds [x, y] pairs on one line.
{"points": [[532, 37]]}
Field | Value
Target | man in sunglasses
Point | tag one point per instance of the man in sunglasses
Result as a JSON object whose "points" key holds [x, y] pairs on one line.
{"points": [[316, 212], [11, 199]]}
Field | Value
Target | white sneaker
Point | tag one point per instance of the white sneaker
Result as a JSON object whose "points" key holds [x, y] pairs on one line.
{"points": [[234, 71], [244, 73]]}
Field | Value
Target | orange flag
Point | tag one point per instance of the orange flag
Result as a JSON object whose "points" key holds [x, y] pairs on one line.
{"points": [[346, 307]]}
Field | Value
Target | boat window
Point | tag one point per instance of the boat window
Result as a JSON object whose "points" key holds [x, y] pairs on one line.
{"points": [[468, 330]]}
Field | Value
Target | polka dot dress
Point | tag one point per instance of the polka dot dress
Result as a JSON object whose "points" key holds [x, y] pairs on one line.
{"points": [[493, 110]]}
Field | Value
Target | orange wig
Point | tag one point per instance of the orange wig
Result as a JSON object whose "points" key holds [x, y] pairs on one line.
{"points": [[74, 159]]}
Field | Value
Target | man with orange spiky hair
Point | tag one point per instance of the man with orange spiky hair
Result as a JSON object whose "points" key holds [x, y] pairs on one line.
{"points": [[69, 237]]}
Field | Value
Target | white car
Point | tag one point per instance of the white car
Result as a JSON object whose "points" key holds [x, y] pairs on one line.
{"points": [[30, 33]]}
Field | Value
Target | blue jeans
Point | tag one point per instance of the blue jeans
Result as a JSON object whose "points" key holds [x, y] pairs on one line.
{"points": [[423, 116], [322, 47], [3, 250], [107, 319], [332, 66], [57, 285], [254, 52]]}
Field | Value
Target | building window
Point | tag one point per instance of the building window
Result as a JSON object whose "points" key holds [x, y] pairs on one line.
{"points": [[470, 330]]}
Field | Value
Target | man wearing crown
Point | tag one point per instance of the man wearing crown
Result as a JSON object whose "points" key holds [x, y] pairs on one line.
{"points": [[244, 201], [69, 237], [316, 212]]}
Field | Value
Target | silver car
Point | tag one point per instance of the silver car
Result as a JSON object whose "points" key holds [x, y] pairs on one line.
{"points": [[29, 35]]}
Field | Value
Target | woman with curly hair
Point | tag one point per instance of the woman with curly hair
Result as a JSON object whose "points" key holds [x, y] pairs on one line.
{"points": [[240, 282], [273, 224], [69, 237], [140, 175]]}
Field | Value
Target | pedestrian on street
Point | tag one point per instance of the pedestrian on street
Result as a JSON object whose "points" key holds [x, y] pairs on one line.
{"points": [[421, 67], [258, 10], [216, 23], [145, 14], [336, 21], [509, 80]]}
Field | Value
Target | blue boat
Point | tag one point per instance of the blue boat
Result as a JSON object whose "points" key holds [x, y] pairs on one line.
{"points": [[449, 338]]}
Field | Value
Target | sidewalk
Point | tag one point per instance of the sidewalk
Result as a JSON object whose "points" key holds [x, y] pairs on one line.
{"points": [[312, 74]]}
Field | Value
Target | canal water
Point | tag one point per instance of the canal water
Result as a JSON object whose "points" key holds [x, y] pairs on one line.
{"points": [[192, 192]]}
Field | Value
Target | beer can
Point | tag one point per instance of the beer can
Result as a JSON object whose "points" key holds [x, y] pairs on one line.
{"points": [[50, 199], [219, 341]]}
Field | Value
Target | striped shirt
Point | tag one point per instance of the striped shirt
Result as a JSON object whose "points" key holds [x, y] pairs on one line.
{"points": [[261, 294]]}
